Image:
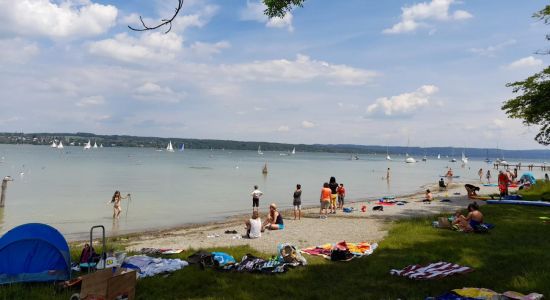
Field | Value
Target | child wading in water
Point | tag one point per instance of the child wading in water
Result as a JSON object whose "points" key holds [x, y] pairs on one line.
{"points": [[297, 201], [117, 209]]}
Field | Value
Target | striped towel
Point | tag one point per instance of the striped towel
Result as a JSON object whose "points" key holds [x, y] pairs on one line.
{"points": [[431, 271]]}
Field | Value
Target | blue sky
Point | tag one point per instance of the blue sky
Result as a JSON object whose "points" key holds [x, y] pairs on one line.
{"points": [[362, 72]]}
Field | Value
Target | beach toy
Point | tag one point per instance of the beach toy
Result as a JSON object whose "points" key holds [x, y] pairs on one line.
{"points": [[363, 208]]}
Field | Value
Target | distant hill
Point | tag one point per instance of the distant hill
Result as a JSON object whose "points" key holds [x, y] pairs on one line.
{"points": [[80, 138]]}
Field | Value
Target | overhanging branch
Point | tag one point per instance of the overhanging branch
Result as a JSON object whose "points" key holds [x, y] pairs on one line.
{"points": [[165, 22]]}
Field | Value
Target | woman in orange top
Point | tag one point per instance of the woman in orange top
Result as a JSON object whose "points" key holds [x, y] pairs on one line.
{"points": [[325, 200]]}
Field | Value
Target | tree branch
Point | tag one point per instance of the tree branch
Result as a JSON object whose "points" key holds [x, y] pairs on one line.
{"points": [[164, 21]]}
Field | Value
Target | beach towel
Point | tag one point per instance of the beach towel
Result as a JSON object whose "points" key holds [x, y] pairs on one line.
{"points": [[482, 293], [431, 271], [150, 266], [356, 249], [221, 259]]}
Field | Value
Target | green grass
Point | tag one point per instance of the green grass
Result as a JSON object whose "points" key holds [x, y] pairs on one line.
{"points": [[514, 256], [539, 191]]}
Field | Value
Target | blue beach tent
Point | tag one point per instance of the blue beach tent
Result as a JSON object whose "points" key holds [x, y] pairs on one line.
{"points": [[34, 252], [528, 176]]}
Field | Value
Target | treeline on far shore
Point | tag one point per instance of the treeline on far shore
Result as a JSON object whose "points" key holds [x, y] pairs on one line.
{"points": [[81, 138]]}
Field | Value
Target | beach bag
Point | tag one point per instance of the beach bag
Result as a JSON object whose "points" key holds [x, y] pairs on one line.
{"points": [[221, 259], [340, 252], [289, 254]]}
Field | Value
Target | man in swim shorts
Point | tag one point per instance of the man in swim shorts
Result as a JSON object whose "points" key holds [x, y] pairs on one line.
{"points": [[256, 194]]}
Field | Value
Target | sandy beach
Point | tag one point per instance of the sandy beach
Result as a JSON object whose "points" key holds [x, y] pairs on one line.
{"points": [[357, 226]]}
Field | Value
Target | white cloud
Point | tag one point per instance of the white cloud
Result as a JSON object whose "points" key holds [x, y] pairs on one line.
{"points": [[526, 62], [254, 11], [207, 49], [152, 92], [283, 128], [307, 124], [491, 50], [91, 101], [17, 50], [497, 124], [413, 17], [58, 19], [404, 103], [154, 46], [299, 70]]}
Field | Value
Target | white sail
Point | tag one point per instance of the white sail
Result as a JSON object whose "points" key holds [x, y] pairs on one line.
{"points": [[54, 145], [439, 156], [60, 146], [169, 148], [88, 145], [182, 148], [464, 158], [410, 160], [95, 145], [100, 145], [260, 151], [293, 150], [388, 157]]}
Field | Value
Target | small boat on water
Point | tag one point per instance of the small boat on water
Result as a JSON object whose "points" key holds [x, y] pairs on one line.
{"points": [[182, 148], [54, 145], [260, 151], [95, 145], [100, 145], [424, 158], [438, 156], [354, 157], [293, 151], [388, 157], [409, 159], [60, 145], [169, 148], [464, 158], [88, 145]]}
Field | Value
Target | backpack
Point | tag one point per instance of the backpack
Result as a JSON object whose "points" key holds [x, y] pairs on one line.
{"points": [[289, 254]]}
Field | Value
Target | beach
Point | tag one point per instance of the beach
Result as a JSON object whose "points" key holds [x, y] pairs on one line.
{"points": [[370, 226]]}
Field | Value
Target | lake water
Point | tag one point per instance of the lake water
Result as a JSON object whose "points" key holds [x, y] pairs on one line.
{"points": [[70, 189]]}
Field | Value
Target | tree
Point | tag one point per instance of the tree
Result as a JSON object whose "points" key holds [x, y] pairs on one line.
{"points": [[279, 8], [533, 103], [164, 22]]}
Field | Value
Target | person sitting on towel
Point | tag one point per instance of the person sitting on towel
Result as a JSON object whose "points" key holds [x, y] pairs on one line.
{"points": [[471, 190], [471, 221], [254, 226], [274, 219]]}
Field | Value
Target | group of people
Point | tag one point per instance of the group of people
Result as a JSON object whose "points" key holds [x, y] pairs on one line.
{"points": [[330, 193], [471, 221]]}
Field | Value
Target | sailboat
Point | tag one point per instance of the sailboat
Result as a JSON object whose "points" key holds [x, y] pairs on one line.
{"points": [[453, 159], [409, 159], [293, 151], [60, 145], [388, 154], [169, 148], [438, 156], [182, 148], [95, 145], [100, 145], [88, 145], [464, 158], [260, 151], [54, 145]]}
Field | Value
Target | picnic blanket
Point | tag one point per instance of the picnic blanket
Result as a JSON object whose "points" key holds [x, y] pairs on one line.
{"points": [[356, 249], [147, 266], [431, 271], [485, 294]]}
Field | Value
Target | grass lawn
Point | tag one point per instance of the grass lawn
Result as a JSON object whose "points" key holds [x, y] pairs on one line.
{"points": [[539, 191], [514, 256]]}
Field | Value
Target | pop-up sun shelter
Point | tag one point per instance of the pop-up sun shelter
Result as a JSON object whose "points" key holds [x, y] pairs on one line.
{"points": [[34, 252], [528, 176]]}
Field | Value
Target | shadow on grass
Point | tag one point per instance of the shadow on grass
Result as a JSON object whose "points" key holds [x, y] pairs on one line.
{"points": [[514, 256]]}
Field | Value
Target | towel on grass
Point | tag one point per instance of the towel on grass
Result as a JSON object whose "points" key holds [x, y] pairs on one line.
{"points": [[431, 271], [147, 266], [357, 249]]}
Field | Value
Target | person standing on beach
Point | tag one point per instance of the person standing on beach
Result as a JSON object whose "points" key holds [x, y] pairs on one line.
{"points": [[256, 194], [334, 194], [117, 209], [488, 176], [325, 201], [480, 173], [297, 201], [341, 194], [388, 174]]}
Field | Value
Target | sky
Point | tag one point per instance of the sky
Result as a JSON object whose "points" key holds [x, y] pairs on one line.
{"points": [[332, 72]]}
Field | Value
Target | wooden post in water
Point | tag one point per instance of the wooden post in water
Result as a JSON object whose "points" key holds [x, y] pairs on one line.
{"points": [[4, 187]]}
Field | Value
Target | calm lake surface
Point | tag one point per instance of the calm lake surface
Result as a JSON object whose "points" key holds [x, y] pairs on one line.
{"points": [[71, 188]]}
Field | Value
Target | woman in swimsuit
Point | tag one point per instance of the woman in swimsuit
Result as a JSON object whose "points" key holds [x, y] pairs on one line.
{"points": [[117, 209], [274, 219]]}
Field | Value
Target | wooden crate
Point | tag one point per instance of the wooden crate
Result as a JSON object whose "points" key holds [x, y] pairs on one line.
{"points": [[108, 284]]}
